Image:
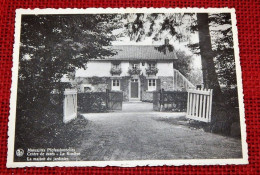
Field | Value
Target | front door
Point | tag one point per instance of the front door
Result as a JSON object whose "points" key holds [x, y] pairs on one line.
{"points": [[134, 88]]}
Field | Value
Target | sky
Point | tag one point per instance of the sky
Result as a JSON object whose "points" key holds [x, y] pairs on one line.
{"points": [[193, 38]]}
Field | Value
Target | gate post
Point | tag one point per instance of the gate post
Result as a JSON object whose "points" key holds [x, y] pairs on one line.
{"points": [[107, 98], [161, 99], [69, 105]]}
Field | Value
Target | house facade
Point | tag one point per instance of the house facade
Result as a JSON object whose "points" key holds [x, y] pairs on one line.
{"points": [[136, 70]]}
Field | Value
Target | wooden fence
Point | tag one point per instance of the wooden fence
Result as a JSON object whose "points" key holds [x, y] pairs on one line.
{"points": [[199, 104], [69, 105]]}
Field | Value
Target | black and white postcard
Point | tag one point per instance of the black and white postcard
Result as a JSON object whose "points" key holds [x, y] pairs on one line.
{"points": [[126, 87]]}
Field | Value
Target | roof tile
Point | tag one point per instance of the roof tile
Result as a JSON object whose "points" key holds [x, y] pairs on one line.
{"points": [[140, 52]]}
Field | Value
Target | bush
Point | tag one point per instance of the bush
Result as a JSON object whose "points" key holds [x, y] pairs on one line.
{"points": [[134, 71], [151, 71], [42, 134], [92, 102], [231, 96], [115, 71]]}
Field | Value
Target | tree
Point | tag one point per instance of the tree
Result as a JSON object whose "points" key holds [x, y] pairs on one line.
{"points": [[210, 78], [222, 38], [184, 64], [172, 25], [54, 45]]}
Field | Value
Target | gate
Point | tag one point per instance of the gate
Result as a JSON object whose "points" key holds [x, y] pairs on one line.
{"points": [[114, 100], [199, 104], [69, 105], [175, 101]]}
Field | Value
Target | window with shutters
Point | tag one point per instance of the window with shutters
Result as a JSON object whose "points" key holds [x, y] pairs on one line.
{"points": [[151, 85], [115, 85]]}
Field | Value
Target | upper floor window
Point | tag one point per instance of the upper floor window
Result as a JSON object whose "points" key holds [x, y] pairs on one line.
{"points": [[135, 65], [152, 64], [116, 68]]}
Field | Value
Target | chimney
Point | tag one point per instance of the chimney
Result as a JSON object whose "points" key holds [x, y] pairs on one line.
{"points": [[166, 41]]}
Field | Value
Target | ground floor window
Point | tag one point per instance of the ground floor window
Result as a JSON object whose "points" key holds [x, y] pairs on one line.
{"points": [[116, 85], [151, 85]]}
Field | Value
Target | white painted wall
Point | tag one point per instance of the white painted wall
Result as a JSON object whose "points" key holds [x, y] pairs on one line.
{"points": [[102, 69], [165, 69], [125, 66], [95, 68]]}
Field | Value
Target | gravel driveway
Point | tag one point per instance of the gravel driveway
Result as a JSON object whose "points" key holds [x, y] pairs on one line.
{"points": [[146, 135]]}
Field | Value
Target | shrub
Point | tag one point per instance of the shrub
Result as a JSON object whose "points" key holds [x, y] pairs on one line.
{"points": [[97, 80], [115, 71], [134, 71], [92, 102], [151, 71]]}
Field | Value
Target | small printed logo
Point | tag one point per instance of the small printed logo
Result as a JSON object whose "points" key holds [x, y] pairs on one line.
{"points": [[19, 152]]}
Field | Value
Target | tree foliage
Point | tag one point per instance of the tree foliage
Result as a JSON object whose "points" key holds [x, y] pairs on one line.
{"points": [[217, 57], [185, 64], [54, 45], [51, 46], [222, 39]]}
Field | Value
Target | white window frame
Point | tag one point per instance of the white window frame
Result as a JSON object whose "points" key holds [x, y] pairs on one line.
{"points": [[115, 84], [152, 85]]}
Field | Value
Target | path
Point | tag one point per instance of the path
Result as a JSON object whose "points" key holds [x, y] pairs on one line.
{"points": [[152, 135], [137, 107]]}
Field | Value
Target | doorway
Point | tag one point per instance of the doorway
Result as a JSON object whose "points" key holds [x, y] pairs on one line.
{"points": [[134, 94]]}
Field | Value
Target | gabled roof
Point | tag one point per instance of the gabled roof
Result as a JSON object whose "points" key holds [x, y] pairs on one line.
{"points": [[140, 52]]}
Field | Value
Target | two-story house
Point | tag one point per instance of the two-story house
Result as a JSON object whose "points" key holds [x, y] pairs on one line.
{"points": [[136, 70]]}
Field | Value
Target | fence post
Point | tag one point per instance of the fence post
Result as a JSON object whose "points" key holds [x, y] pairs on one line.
{"points": [[161, 99], [107, 98], [188, 102], [210, 106], [69, 105]]}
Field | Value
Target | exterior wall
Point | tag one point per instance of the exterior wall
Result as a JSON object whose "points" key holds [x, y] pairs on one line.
{"points": [[147, 96], [124, 67], [165, 69], [95, 68], [167, 83], [101, 86], [124, 86], [103, 83], [99, 73], [102, 69]]}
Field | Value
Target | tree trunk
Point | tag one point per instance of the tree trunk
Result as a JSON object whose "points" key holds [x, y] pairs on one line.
{"points": [[210, 78]]}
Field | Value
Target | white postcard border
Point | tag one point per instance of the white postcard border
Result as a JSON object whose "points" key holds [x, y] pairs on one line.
{"points": [[132, 163]]}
